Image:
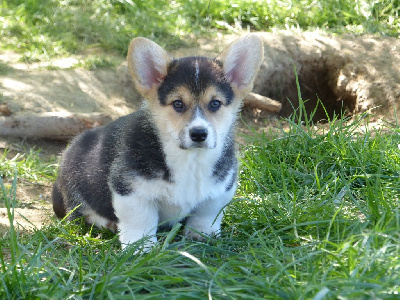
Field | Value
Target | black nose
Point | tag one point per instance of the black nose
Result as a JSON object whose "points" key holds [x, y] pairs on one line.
{"points": [[198, 134]]}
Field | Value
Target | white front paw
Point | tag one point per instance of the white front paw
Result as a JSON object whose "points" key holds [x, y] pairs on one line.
{"points": [[201, 231], [191, 234], [144, 244]]}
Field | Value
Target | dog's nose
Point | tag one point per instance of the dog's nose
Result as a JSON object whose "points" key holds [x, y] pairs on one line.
{"points": [[198, 134]]}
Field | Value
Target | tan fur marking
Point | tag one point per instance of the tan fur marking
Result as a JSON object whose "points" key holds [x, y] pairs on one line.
{"points": [[216, 118], [167, 117], [212, 93], [181, 93]]}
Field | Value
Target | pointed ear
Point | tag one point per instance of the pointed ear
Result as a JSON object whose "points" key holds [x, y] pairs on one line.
{"points": [[241, 62], [148, 65]]}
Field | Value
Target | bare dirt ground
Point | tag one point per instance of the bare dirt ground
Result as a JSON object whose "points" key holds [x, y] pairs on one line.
{"points": [[347, 73]]}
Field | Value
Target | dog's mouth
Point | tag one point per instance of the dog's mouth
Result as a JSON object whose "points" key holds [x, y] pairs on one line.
{"points": [[196, 145]]}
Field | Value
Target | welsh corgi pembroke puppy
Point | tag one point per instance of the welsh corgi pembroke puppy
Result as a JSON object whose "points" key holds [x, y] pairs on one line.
{"points": [[172, 159]]}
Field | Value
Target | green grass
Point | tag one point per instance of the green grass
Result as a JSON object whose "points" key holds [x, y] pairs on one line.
{"points": [[316, 216], [29, 166], [44, 29], [4, 69], [96, 62]]}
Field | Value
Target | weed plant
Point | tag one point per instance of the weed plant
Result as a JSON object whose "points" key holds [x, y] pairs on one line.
{"points": [[316, 216]]}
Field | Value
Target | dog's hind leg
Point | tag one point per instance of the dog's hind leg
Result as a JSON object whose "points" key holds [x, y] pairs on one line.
{"points": [[58, 202]]}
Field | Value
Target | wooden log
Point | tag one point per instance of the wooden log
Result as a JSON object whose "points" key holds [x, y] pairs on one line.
{"points": [[64, 125], [262, 102], [55, 125]]}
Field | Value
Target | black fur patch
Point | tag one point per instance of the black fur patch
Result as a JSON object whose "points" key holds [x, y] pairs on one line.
{"points": [[113, 154], [120, 185], [231, 182], [141, 151], [58, 203], [83, 172], [182, 72], [227, 160]]}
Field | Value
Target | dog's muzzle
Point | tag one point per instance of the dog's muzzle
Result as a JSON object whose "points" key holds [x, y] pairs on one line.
{"points": [[197, 137]]}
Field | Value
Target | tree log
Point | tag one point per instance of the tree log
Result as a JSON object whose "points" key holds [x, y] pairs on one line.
{"points": [[262, 102], [60, 125], [64, 125]]}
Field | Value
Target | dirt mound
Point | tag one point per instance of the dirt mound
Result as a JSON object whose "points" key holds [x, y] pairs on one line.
{"points": [[345, 73]]}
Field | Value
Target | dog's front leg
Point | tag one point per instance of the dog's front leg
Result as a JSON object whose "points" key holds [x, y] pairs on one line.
{"points": [[207, 217], [137, 218]]}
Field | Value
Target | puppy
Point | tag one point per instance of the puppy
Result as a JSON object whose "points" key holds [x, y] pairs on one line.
{"points": [[172, 159]]}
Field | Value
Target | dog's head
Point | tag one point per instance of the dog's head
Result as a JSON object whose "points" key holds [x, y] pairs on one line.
{"points": [[195, 100]]}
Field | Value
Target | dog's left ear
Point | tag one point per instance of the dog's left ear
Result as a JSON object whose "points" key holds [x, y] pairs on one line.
{"points": [[241, 62]]}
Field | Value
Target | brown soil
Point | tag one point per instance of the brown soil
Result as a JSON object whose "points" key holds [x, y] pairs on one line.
{"points": [[351, 73], [347, 73]]}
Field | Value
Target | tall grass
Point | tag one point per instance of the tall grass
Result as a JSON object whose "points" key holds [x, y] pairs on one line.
{"points": [[316, 216], [42, 29]]}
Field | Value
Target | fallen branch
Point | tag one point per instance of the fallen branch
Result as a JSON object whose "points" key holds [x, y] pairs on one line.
{"points": [[262, 102], [64, 126], [60, 126]]}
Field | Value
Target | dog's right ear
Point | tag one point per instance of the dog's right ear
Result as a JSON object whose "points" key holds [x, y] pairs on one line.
{"points": [[148, 65]]}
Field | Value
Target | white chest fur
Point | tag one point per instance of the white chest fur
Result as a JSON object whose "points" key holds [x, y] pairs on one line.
{"points": [[191, 183], [192, 189]]}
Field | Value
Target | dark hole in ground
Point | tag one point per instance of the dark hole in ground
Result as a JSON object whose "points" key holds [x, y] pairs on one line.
{"points": [[317, 81]]}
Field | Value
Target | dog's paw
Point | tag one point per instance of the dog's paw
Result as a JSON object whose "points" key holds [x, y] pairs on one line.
{"points": [[195, 235], [143, 245], [202, 228], [198, 235]]}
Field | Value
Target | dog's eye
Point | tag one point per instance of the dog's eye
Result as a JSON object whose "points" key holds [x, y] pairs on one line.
{"points": [[214, 105], [178, 105]]}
